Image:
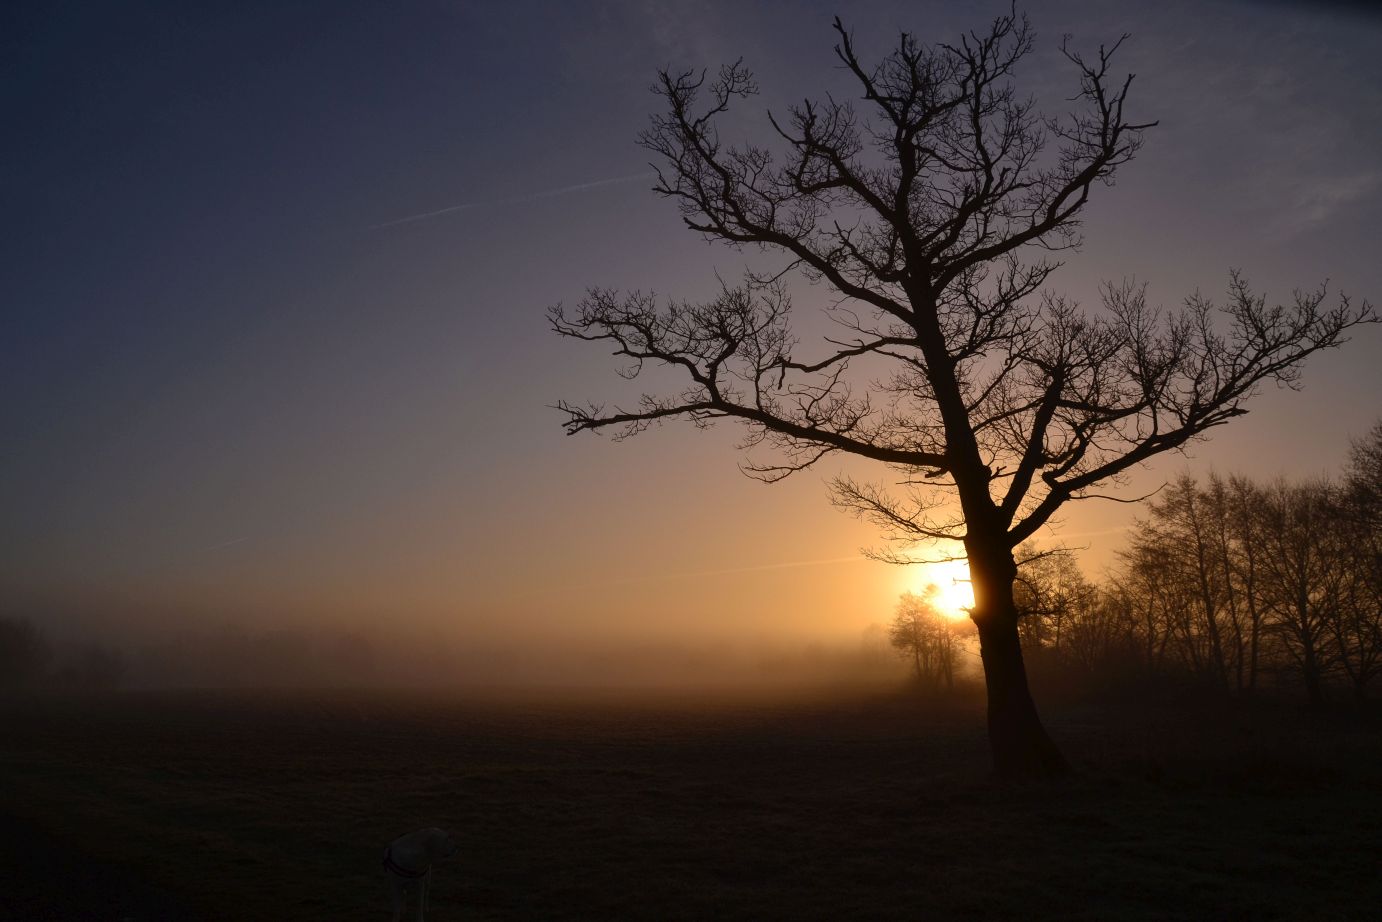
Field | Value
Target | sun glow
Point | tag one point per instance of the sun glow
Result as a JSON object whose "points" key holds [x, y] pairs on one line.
{"points": [[947, 585]]}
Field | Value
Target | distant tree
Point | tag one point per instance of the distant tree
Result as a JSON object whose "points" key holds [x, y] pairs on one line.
{"points": [[1298, 569], [929, 640], [1051, 593], [1245, 565], [1147, 594], [94, 667], [932, 211], [1185, 531], [1355, 612], [1100, 642], [1226, 579], [874, 642], [24, 652], [1193, 580]]}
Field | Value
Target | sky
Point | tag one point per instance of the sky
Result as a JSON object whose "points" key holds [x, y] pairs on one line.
{"points": [[272, 336]]}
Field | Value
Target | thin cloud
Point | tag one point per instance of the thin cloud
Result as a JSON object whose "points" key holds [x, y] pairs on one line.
{"points": [[516, 200], [217, 547], [1315, 201]]}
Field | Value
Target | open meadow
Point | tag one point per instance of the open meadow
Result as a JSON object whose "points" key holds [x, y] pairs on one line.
{"points": [[663, 805]]}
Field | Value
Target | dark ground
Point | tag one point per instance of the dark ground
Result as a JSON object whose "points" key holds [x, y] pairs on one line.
{"points": [[213, 805]]}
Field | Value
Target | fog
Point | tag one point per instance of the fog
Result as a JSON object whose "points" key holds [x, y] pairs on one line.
{"points": [[94, 654]]}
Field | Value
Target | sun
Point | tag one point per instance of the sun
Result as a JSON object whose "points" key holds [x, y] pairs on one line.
{"points": [[953, 593]]}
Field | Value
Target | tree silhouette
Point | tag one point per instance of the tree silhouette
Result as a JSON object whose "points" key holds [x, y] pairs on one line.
{"points": [[1356, 611], [927, 639], [1049, 591], [935, 212]]}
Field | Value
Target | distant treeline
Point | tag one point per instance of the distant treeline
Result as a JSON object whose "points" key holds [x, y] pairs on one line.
{"points": [[29, 660], [241, 656], [1228, 584], [231, 655]]}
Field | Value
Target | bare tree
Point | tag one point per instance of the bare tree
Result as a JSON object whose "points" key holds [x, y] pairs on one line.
{"points": [[1355, 612], [1298, 571], [1141, 591], [1163, 598], [1050, 592], [1184, 527], [1101, 640], [1196, 559], [929, 640], [1244, 524], [935, 212]]}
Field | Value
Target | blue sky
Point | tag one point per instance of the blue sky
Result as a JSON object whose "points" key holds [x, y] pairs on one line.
{"points": [[226, 389]]}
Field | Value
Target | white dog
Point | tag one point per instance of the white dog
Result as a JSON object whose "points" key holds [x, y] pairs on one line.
{"points": [[408, 863]]}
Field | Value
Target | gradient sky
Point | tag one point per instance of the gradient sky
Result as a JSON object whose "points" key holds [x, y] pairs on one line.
{"points": [[235, 382]]}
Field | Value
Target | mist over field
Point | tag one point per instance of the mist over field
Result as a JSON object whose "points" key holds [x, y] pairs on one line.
{"points": [[691, 460], [235, 656]]}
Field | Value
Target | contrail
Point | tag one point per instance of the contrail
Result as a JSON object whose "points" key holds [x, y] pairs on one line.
{"points": [[780, 566], [691, 574], [516, 200], [1090, 534], [217, 547]]}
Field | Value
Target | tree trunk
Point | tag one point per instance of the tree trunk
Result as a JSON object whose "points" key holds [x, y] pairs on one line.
{"points": [[1310, 666], [1256, 629], [1020, 745]]}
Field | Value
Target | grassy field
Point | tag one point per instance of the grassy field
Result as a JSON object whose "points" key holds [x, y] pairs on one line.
{"points": [[665, 806]]}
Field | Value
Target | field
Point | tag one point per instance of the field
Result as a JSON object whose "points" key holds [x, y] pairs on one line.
{"points": [[661, 805]]}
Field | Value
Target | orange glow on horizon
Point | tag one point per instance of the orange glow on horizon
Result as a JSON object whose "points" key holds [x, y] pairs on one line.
{"points": [[945, 584]]}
